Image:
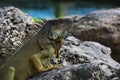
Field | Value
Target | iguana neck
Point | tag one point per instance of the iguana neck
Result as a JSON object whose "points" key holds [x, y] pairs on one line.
{"points": [[45, 30]]}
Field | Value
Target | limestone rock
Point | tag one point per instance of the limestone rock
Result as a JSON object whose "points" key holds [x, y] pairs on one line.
{"points": [[100, 26], [14, 27], [83, 61]]}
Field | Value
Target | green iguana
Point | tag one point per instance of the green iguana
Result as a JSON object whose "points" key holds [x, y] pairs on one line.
{"points": [[34, 56]]}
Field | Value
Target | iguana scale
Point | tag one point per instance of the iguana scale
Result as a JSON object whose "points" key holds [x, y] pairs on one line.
{"points": [[34, 56]]}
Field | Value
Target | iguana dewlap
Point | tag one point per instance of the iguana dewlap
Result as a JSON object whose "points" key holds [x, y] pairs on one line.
{"points": [[34, 56]]}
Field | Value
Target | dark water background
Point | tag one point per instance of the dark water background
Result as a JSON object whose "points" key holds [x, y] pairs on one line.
{"points": [[52, 8]]}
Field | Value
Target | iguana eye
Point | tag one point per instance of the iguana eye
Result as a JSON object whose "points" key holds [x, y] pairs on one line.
{"points": [[55, 36]]}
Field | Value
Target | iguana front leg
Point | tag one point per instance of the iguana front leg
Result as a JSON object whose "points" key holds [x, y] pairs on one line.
{"points": [[10, 74], [41, 60], [55, 66], [37, 63]]}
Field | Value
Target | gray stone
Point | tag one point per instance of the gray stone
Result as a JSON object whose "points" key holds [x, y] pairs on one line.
{"points": [[83, 60], [13, 27], [100, 26]]}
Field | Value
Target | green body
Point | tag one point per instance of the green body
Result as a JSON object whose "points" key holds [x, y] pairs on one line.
{"points": [[34, 56]]}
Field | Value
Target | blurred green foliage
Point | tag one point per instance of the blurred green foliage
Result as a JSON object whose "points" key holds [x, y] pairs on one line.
{"points": [[37, 20]]}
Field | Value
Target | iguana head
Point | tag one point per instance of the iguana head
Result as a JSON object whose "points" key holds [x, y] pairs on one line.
{"points": [[59, 29]]}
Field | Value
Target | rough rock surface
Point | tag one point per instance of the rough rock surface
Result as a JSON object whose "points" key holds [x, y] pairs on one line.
{"points": [[100, 26], [13, 29], [83, 61]]}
